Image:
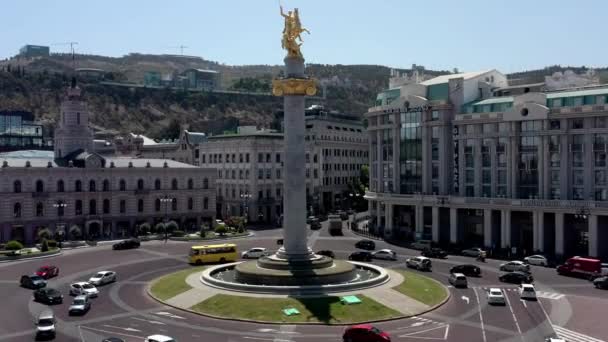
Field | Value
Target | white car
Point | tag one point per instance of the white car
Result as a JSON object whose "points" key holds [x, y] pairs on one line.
{"points": [[527, 291], [495, 296], [83, 288], [102, 278], [420, 263], [159, 338], [386, 254], [255, 253], [515, 265], [536, 260]]}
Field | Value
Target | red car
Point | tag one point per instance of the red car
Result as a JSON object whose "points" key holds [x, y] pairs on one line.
{"points": [[365, 333], [47, 272]]}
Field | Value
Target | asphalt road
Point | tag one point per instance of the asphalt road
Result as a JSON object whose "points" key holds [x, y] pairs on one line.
{"points": [[568, 307]]}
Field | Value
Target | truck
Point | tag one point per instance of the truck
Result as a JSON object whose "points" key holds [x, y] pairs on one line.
{"points": [[583, 267], [335, 225]]}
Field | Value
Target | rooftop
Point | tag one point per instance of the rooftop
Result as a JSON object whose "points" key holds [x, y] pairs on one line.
{"points": [[446, 78]]}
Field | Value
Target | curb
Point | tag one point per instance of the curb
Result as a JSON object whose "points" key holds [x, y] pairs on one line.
{"points": [[58, 252]]}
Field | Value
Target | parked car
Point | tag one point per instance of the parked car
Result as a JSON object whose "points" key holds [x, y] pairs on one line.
{"points": [[327, 253], [467, 269], [159, 338], [309, 219], [434, 253], [366, 244], [102, 278], [360, 256], [126, 244], [80, 305], [385, 254], [601, 283], [515, 265], [496, 296], [83, 288], [254, 253], [47, 272], [32, 281], [472, 252], [458, 280], [420, 263], [516, 278], [315, 224], [421, 244], [365, 333], [48, 295], [536, 260], [584, 267], [527, 291], [45, 325]]}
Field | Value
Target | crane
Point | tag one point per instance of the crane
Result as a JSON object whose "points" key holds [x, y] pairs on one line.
{"points": [[72, 51], [180, 47]]}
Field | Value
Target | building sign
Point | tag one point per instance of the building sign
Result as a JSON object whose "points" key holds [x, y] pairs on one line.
{"points": [[456, 175]]}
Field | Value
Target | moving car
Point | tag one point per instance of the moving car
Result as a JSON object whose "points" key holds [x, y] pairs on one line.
{"points": [[327, 253], [365, 333], [315, 224], [601, 283], [536, 259], [254, 253], [421, 244], [385, 254], [434, 253], [45, 325], [80, 305], [420, 263], [159, 338], [467, 269], [472, 252], [527, 291], [495, 296], [48, 296], [360, 256], [47, 272], [516, 278], [32, 281], [458, 280], [366, 244], [577, 266], [515, 265], [335, 225], [102, 278], [83, 288], [126, 244]]}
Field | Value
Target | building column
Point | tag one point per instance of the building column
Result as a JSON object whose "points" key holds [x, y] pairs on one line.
{"points": [[114, 231], [593, 236], [487, 228], [388, 219], [435, 224], [540, 245], [559, 234], [505, 228], [535, 237], [419, 219], [453, 225]]}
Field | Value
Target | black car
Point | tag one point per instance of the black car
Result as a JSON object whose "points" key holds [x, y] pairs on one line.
{"points": [[360, 256], [327, 253], [516, 278], [48, 296], [366, 244], [315, 224], [601, 282], [467, 269], [126, 244], [434, 253], [32, 281]]}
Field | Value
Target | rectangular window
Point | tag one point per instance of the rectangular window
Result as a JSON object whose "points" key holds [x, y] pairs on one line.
{"points": [[503, 127], [489, 128], [600, 122], [278, 158], [268, 157], [578, 177], [600, 177], [554, 159], [501, 176], [247, 158], [469, 129], [260, 157], [554, 174], [601, 194], [435, 115], [576, 123], [469, 176], [470, 191], [555, 193], [486, 176], [600, 159], [501, 160], [578, 193], [260, 174], [278, 174], [268, 174], [555, 125], [486, 191]]}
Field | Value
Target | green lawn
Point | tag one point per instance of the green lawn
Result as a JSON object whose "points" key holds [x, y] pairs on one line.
{"points": [[327, 310], [171, 285], [421, 288]]}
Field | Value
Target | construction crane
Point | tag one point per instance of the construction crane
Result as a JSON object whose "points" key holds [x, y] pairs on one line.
{"points": [[72, 51], [180, 47]]}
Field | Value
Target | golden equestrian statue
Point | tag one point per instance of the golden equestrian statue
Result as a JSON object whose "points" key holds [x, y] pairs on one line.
{"points": [[292, 33]]}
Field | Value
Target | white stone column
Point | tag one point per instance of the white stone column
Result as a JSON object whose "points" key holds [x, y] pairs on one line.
{"points": [[540, 246], [487, 228], [419, 218], [559, 234], [388, 219], [593, 236], [453, 225], [534, 230], [505, 228], [435, 224]]}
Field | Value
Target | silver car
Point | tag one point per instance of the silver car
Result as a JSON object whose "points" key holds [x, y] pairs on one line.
{"points": [[80, 305], [458, 280], [515, 265]]}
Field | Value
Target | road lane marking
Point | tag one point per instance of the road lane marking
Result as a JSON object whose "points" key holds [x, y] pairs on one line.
{"points": [[574, 336], [446, 326], [168, 314], [465, 298], [514, 318], [113, 332], [523, 301], [127, 328], [483, 329], [549, 295], [151, 322]]}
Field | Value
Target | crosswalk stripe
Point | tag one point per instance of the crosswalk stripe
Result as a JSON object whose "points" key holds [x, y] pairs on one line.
{"points": [[573, 336]]}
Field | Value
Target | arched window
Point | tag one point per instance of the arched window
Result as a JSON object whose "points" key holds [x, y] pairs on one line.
{"points": [[205, 203], [92, 207], [78, 186], [92, 186], [17, 187], [174, 184], [39, 186], [17, 210], [140, 205], [174, 204], [60, 186], [157, 204], [157, 184], [190, 184], [205, 183], [39, 209], [105, 185], [78, 207], [123, 185], [190, 203], [140, 184], [106, 206]]}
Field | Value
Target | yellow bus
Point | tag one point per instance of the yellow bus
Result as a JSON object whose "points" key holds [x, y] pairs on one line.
{"points": [[212, 253]]}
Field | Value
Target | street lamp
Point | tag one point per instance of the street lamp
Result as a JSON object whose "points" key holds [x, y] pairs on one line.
{"points": [[582, 213], [245, 198], [60, 208], [166, 200]]}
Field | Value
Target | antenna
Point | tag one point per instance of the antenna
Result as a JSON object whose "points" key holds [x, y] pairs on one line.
{"points": [[72, 51], [181, 48]]}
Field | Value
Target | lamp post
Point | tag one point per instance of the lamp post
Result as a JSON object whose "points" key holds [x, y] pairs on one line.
{"points": [[60, 208], [245, 198], [166, 200]]}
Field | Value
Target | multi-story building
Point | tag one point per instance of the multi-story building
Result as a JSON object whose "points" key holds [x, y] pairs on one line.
{"points": [[18, 131], [522, 173], [104, 196]]}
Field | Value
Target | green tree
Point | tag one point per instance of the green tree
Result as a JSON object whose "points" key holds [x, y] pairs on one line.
{"points": [[171, 226], [44, 233], [159, 228], [44, 245], [144, 228], [13, 245], [221, 229], [75, 232]]}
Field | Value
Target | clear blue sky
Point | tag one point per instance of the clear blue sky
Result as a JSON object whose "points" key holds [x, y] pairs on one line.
{"points": [[509, 35]]}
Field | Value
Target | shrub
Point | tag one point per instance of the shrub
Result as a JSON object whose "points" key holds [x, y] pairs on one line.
{"points": [[144, 228], [178, 233], [44, 245], [44, 233], [221, 229], [203, 233], [13, 245], [52, 243], [75, 232], [171, 226], [159, 228]]}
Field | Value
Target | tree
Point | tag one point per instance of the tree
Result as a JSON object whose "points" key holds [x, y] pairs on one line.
{"points": [[75, 232], [172, 131], [44, 233], [171, 226], [364, 176], [221, 229], [44, 245], [159, 228], [144, 228]]}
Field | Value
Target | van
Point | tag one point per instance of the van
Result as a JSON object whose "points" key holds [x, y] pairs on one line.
{"points": [[458, 280], [335, 225], [577, 266], [45, 325]]}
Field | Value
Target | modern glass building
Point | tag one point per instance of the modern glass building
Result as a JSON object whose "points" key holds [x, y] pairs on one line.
{"points": [[19, 132]]}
